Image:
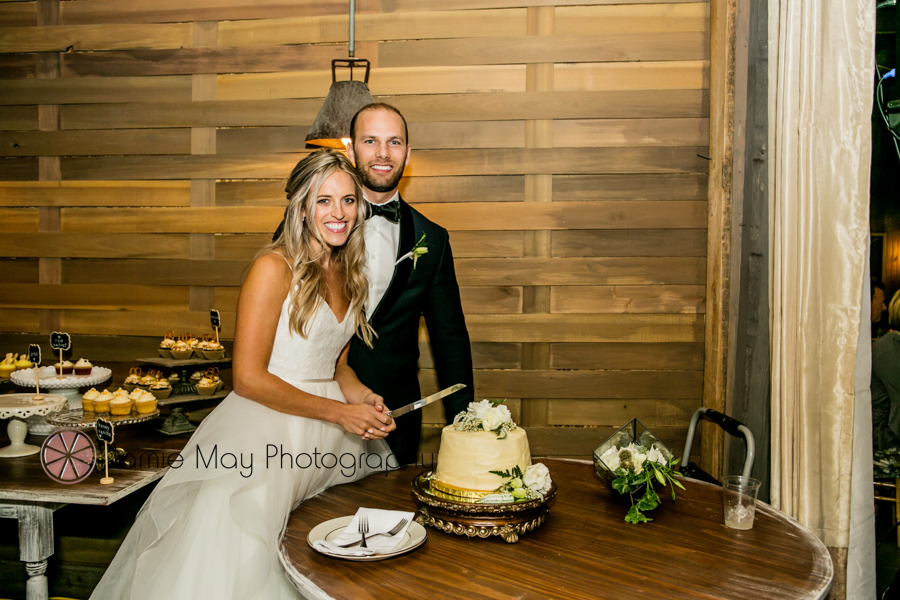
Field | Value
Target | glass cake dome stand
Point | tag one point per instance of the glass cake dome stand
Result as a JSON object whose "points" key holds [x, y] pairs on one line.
{"points": [[62, 385]]}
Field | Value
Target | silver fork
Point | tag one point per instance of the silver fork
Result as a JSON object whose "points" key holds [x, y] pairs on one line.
{"points": [[363, 529], [394, 531]]}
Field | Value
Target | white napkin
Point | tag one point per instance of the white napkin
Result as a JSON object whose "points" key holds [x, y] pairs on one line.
{"points": [[380, 521]]}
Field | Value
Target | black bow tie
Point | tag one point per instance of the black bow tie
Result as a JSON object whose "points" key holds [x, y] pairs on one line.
{"points": [[388, 210]]}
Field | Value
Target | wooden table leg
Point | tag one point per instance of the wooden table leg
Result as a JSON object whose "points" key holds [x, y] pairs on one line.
{"points": [[35, 541]]}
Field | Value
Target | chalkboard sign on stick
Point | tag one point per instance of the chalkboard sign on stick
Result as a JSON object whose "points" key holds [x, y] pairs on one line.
{"points": [[60, 341], [216, 322], [34, 356], [105, 435]]}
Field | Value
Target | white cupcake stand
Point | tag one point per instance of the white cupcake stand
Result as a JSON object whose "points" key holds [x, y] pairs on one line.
{"points": [[19, 407], [62, 385]]}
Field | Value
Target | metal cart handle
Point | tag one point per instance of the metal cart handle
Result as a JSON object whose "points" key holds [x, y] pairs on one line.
{"points": [[729, 424]]}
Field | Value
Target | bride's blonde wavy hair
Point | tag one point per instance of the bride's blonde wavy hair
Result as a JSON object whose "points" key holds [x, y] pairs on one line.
{"points": [[308, 286]]}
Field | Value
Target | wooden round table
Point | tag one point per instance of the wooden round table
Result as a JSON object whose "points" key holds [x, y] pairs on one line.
{"points": [[585, 550]]}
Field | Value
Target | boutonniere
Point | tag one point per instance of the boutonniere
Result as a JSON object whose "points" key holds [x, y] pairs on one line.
{"points": [[418, 250]]}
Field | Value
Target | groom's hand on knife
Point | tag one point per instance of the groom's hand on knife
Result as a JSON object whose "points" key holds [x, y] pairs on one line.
{"points": [[367, 418]]}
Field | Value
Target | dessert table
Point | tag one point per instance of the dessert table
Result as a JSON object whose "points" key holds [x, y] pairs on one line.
{"points": [[30, 496], [584, 550]]}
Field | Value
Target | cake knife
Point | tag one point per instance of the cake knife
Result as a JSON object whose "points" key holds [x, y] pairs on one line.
{"points": [[425, 401]]}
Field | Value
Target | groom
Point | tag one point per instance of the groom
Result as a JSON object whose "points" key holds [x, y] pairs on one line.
{"points": [[399, 294]]}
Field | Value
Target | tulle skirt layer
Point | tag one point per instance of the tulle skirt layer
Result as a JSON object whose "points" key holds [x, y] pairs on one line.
{"points": [[211, 527]]}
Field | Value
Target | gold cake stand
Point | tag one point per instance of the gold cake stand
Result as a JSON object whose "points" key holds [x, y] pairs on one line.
{"points": [[464, 516]]}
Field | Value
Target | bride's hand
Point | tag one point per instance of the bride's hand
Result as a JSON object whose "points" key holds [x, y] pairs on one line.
{"points": [[366, 421]]}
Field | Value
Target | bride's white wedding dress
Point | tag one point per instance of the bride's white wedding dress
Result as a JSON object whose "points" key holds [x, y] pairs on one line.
{"points": [[211, 527]]}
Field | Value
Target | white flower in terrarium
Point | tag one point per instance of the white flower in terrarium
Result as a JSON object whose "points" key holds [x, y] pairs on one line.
{"points": [[656, 456], [611, 458]]}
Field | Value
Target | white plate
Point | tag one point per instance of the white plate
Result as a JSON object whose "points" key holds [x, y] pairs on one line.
{"points": [[414, 537]]}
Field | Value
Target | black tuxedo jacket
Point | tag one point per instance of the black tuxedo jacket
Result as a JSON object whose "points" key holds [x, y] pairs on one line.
{"points": [[390, 367]]}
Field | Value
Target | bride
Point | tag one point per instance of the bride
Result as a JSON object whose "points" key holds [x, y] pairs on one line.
{"points": [[298, 422]]}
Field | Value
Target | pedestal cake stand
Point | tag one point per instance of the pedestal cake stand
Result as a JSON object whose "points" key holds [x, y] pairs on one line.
{"points": [[463, 516], [63, 385], [17, 408]]}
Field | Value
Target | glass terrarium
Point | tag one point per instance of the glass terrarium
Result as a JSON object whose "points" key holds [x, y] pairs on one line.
{"points": [[633, 432]]}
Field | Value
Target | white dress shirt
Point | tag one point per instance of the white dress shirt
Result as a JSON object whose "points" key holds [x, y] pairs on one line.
{"points": [[382, 241]]}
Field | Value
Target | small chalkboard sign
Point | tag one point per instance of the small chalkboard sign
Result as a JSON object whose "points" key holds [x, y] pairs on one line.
{"points": [[104, 431], [60, 341], [34, 354], [214, 318]]}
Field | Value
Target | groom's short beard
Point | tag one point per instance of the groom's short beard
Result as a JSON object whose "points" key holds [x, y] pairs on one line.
{"points": [[388, 185]]}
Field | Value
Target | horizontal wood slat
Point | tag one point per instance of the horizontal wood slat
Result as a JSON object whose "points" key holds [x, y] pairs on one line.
{"points": [[19, 271], [95, 143], [630, 132], [389, 82], [674, 186], [586, 384], [94, 245], [653, 413], [427, 163], [584, 328], [19, 169], [18, 220], [18, 14], [198, 60], [173, 88], [546, 49], [157, 272], [416, 26], [95, 193], [618, 76], [484, 356], [94, 37], [394, 6], [624, 299], [454, 107], [647, 356], [18, 118], [568, 215], [88, 297], [629, 242], [18, 66], [582, 271], [163, 11], [631, 18]]}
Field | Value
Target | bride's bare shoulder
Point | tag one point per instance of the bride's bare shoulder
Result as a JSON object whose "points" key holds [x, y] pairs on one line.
{"points": [[267, 269]]}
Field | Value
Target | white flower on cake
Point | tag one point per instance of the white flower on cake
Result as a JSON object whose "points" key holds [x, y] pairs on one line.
{"points": [[479, 409], [495, 418], [487, 415], [537, 478]]}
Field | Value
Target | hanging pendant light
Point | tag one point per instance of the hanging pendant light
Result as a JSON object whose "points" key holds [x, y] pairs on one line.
{"points": [[331, 127]]}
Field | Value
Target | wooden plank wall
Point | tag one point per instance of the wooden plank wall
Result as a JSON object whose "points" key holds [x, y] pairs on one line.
{"points": [[144, 144]]}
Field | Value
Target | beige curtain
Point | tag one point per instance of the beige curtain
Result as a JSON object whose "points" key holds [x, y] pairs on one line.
{"points": [[821, 70]]}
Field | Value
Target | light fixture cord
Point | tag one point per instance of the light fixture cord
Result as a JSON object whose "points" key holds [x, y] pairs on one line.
{"points": [[352, 27]]}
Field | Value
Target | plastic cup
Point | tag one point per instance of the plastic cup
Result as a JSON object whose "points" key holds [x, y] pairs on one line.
{"points": [[739, 501]]}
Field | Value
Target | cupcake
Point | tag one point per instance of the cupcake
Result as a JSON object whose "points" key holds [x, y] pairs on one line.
{"points": [[120, 405], [165, 346], [214, 351], [101, 402], [182, 351], [7, 366], [146, 403], [206, 387], [135, 394], [87, 401], [174, 379], [161, 389], [147, 380], [64, 368], [83, 367], [23, 363]]}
